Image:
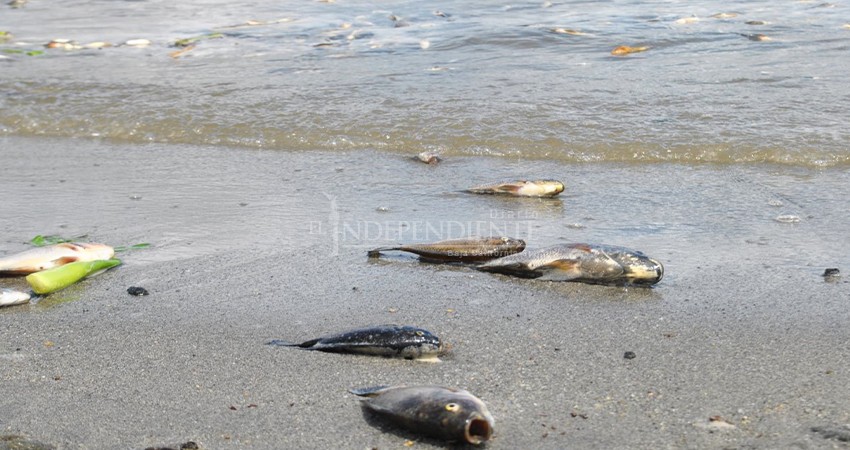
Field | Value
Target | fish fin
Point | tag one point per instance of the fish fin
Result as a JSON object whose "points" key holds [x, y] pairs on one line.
{"points": [[372, 391], [561, 270], [64, 260], [308, 344], [376, 253], [517, 269]]}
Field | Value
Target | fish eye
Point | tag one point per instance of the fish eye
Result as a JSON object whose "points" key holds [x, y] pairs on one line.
{"points": [[452, 407]]}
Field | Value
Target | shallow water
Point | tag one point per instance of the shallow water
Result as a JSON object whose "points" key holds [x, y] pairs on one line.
{"points": [[480, 79]]}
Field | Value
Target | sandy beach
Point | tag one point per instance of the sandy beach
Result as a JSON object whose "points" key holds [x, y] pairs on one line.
{"points": [[249, 245]]}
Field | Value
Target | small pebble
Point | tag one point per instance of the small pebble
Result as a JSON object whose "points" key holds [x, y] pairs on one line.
{"points": [[831, 272], [629, 355], [382, 209], [787, 218], [137, 291]]}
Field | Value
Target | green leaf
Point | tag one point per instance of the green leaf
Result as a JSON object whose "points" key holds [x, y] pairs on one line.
{"points": [[124, 248], [41, 241], [191, 40]]}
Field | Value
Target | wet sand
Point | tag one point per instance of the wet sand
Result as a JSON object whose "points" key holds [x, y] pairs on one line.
{"points": [[249, 246]]}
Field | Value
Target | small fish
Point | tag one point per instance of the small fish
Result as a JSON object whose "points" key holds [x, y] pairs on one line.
{"points": [[48, 257], [758, 37], [9, 297], [385, 340], [625, 50], [522, 188], [445, 413], [428, 157], [462, 250], [587, 263]]}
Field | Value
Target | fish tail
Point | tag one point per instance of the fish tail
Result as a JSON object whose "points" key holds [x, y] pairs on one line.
{"points": [[281, 343]]}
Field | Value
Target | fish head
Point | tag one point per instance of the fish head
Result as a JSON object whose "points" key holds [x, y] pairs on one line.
{"points": [[468, 417], [638, 268], [551, 187], [419, 343]]}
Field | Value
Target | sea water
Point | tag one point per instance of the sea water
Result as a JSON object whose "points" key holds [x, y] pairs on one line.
{"points": [[719, 82]]}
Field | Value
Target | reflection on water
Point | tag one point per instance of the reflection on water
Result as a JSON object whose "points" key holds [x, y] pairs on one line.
{"points": [[466, 78]]}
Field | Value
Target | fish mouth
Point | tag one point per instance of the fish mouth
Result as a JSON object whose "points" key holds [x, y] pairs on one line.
{"points": [[478, 429], [650, 273]]}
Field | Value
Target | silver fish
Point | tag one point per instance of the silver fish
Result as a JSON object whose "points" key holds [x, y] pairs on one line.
{"points": [[48, 257], [440, 412], [588, 263], [385, 340], [522, 188], [9, 297], [462, 250]]}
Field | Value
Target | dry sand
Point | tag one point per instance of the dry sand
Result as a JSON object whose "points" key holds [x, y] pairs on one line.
{"points": [[742, 328]]}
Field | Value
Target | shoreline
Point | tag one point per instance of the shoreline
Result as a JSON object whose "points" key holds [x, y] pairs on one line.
{"points": [[246, 247]]}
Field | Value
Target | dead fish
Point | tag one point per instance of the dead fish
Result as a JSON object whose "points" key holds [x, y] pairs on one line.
{"points": [[587, 263], [462, 250], [48, 257], [522, 188], [625, 50], [9, 297], [724, 15], [757, 37], [385, 340], [445, 413], [428, 157]]}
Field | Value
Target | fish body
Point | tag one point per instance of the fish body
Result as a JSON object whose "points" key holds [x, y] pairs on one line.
{"points": [[474, 249], [9, 297], [385, 340], [521, 188], [48, 257], [444, 413], [588, 263]]}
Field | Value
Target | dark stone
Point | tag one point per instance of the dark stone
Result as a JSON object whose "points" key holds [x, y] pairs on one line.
{"points": [[137, 291], [629, 355], [831, 272]]}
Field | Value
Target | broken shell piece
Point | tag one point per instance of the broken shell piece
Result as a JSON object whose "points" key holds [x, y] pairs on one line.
{"points": [[428, 157], [724, 15], [787, 218], [687, 20], [569, 31], [64, 44], [98, 45], [625, 50], [138, 43]]}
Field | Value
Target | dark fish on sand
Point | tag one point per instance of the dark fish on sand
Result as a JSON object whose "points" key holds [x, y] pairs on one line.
{"points": [[588, 263], [474, 249], [385, 340], [440, 412], [521, 188]]}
